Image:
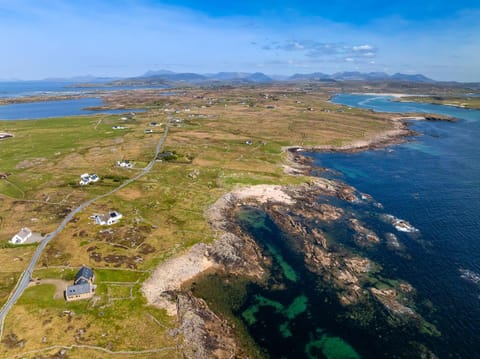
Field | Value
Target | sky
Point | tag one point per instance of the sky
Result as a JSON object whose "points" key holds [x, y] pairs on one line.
{"points": [[123, 38]]}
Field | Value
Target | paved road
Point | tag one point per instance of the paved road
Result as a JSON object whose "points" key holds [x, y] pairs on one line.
{"points": [[26, 275]]}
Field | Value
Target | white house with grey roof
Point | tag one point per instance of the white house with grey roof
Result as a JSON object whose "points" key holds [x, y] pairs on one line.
{"points": [[83, 287], [20, 238], [107, 219]]}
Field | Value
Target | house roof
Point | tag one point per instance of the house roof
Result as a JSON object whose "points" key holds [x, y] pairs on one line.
{"points": [[82, 274], [102, 217], [24, 233], [78, 289], [114, 214], [110, 216]]}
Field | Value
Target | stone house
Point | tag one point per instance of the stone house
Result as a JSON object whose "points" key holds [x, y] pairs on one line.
{"points": [[83, 287]]}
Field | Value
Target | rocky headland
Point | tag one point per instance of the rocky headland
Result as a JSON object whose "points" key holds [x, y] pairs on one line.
{"points": [[296, 210]]}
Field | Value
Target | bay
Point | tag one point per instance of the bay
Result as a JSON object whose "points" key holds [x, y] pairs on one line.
{"points": [[55, 108]]}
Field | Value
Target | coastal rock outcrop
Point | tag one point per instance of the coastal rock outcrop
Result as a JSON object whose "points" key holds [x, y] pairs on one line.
{"points": [[298, 212], [205, 334]]}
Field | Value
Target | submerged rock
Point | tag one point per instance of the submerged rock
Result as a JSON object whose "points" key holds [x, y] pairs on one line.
{"points": [[392, 241], [401, 225], [390, 299], [470, 276], [363, 236]]}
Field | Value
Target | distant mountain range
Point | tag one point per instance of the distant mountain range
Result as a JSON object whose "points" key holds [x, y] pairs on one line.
{"points": [[362, 76], [168, 76], [164, 76]]}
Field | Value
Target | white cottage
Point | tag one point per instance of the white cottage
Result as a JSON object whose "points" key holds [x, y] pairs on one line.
{"points": [[125, 164], [21, 236], [107, 219], [88, 178]]}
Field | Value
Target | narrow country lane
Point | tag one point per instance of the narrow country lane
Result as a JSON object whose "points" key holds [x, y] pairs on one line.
{"points": [[26, 275]]}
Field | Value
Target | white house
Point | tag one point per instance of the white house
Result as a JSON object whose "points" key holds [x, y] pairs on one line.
{"points": [[107, 219], [125, 164], [94, 178], [21, 236], [88, 178]]}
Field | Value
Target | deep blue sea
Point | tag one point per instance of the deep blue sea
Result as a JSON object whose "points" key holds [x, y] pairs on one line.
{"points": [[433, 181]]}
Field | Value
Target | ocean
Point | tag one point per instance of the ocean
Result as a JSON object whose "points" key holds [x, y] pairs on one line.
{"points": [[433, 182], [51, 87], [55, 108]]}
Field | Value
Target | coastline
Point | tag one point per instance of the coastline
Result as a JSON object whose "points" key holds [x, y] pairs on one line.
{"points": [[206, 333], [399, 134], [173, 273], [237, 253], [44, 98]]}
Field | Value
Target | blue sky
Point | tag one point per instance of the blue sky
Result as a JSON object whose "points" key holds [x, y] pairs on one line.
{"points": [[56, 38]]}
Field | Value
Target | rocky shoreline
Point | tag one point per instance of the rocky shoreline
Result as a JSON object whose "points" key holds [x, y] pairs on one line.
{"points": [[399, 134], [206, 334], [354, 277]]}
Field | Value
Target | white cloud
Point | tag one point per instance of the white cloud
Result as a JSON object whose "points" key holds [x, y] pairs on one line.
{"points": [[297, 46], [362, 48]]}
